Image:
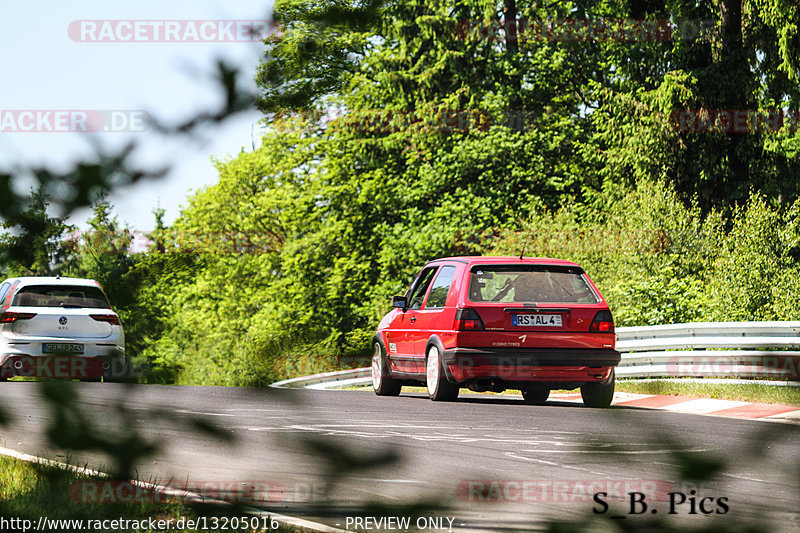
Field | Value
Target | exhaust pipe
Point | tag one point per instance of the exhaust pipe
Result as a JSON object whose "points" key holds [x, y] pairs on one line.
{"points": [[18, 364], [486, 384]]}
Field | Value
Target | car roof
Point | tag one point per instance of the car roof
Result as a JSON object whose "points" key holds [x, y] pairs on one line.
{"points": [[25, 281], [503, 260]]}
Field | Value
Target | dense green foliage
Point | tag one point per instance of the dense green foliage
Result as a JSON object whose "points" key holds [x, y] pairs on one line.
{"points": [[658, 261], [403, 131], [34, 243]]}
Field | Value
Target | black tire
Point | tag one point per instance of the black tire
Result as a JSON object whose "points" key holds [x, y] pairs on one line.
{"points": [[535, 394], [598, 393], [382, 381], [439, 389]]}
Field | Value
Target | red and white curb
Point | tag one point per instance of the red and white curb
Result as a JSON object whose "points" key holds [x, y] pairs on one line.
{"points": [[700, 406]]}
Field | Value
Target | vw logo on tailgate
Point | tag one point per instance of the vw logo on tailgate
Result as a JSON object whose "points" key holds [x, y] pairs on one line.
{"points": [[62, 320]]}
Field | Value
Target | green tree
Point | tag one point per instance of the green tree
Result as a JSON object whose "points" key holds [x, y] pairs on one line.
{"points": [[664, 109], [103, 254], [103, 251], [153, 279], [225, 303], [34, 243]]}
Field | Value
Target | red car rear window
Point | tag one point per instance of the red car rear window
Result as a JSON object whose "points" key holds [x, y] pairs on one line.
{"points": [[529, 284]]}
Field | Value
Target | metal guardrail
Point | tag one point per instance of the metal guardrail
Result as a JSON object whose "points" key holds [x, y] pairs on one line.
{"points": [[328, 380], [701, 349], [711, 349]]}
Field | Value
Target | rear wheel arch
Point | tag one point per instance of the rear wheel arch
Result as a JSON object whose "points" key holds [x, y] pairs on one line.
{"points": [[379, 339], [434, 340], [437, 383]]}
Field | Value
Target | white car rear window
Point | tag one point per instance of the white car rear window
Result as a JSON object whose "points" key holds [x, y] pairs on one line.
{"points": [[75, 296]]}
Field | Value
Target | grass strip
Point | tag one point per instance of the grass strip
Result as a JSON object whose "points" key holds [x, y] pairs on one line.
{"points": [[31, 490]]}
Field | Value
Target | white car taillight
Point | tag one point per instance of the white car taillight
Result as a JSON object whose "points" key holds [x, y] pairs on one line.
{"points": [[111, 319], [10, 317]]}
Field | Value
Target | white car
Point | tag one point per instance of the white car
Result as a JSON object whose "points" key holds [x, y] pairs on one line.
{"points": [[54, 327]]}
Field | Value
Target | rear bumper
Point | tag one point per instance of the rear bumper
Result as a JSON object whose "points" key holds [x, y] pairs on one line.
{"points": [[111, 364], [509, 364]]}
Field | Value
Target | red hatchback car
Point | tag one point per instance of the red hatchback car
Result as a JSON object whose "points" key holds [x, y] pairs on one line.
{"points": [[496, 323]]}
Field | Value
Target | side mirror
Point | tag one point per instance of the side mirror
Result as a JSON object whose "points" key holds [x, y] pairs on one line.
{"points": [[400, 302]]}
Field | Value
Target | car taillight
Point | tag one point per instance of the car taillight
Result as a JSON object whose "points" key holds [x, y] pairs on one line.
{"points": [[603, 322], [468, 320], [9, 318], [111, 319]]}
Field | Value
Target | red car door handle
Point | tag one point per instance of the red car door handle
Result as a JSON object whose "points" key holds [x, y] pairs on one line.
{"points": [[413, 319]]}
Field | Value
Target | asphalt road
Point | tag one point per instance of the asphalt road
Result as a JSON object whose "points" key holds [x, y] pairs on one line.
{"points": [[490, 462]]}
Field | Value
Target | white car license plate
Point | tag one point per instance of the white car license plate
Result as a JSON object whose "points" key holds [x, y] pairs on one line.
{"points": [[62, 347], [537, 320]]}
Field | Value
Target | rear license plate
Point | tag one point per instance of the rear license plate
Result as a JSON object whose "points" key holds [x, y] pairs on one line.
{"points": [[62, 347], [536, 320]]}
